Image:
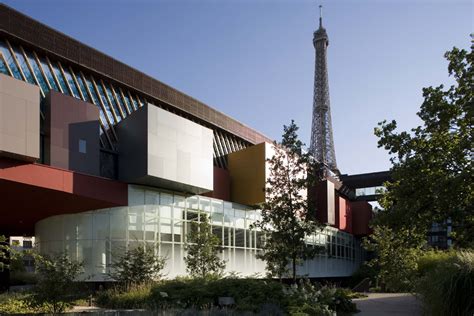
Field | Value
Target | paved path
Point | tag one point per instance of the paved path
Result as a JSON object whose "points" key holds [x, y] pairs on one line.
{"points": [[388, 304]]}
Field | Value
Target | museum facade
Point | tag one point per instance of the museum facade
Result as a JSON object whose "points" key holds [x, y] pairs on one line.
{"points": [[97, 158]]}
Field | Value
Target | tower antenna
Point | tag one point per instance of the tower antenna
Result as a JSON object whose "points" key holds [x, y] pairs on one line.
{"points": [[320, 16]]}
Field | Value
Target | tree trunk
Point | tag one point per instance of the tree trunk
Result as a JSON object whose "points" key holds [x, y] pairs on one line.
{"points": [[294, 269]]}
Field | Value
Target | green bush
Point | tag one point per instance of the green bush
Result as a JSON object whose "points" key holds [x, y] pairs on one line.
{"points": [[447, 286], [250, 295], [202, 293], [136, 297], [305, 296], [21, 303], [430, 259]]}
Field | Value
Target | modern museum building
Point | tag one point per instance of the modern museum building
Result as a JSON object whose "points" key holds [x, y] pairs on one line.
{"points": [[97, 157]]}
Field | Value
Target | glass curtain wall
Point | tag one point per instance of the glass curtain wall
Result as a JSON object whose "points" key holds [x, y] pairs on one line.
{"points": [[160, 221]]}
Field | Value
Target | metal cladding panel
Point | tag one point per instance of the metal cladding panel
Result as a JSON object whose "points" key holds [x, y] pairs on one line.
{"points": [[343, 214], [72, 129], [248, 172], [179, 150], [221, 185], [361, 217], [161, 149], [331, 203], [19, 119]]}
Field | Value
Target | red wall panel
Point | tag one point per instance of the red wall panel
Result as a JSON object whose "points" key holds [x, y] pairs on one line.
{"points": [[221, 185], [361, 216]]}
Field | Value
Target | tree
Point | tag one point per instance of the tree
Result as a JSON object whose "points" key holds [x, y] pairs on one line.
{"points": [[396, 257], [56, 280], [137, 266], [4, 253], [286, 214], [432, 164], [202, 248]]}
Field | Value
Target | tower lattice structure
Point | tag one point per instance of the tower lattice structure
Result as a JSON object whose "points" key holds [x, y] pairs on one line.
{"points": [[322, 144]]}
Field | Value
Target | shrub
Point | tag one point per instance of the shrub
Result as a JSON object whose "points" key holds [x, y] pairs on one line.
{"points": [[322, 298], [136, 297], [137, 266], [56, 275], [21, 303], [250, 295], [448, 284], [430, 259]]}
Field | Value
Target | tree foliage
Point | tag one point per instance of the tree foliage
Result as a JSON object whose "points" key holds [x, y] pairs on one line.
{"points": [[396, 257], [202, 250], [56, 280], [4, 253], [432, 164], [137, 266], [286, 214]]}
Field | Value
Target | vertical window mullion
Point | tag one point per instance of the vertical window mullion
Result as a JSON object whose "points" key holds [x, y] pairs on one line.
{"points": [[61, 70], [32, 71], [6, 64], [120, 104], [109, 102], [111, 124], [81, 95], [42, 71], [132, 101], [126, 101], [17, 63], [51, 69]]}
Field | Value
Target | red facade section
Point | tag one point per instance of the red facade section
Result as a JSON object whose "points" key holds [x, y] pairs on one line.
{"points": [[31, 192], [361, 216], [221, 185], [318, 197], [343, 214]]}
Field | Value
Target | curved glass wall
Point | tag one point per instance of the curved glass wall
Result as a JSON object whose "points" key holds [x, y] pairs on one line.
{"points": [[160, 220]]}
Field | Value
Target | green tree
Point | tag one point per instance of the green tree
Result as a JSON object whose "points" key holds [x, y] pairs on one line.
{"points": [[137, 266], [202, 250], [396, 257], [432, 165], [56, 277], [286, 214], [4, 253]]}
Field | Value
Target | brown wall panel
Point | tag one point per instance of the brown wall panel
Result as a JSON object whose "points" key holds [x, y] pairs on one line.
{"points": [[247, 169], [361, 216], [221, 185], [72, 125]]}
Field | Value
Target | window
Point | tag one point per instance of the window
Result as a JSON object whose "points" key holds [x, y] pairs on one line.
{"points": [[27, 244], [82, 146]]}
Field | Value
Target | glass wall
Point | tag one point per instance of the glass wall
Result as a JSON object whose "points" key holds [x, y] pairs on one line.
{"points": [[160, 220]]}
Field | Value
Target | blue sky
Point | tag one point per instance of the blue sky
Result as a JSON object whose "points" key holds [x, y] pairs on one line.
{"points": [[254, 59]]}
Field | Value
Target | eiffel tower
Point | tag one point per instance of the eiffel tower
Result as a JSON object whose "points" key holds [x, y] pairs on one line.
{"points": [[322, 144]]}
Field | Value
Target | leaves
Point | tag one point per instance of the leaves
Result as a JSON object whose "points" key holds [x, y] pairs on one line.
{"points": [[432, 164], [137, 266], [286, 219], [202, 248]]}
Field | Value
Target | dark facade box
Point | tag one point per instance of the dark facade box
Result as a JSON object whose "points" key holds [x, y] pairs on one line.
{"points": [[161, 149], [72, 134]]}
